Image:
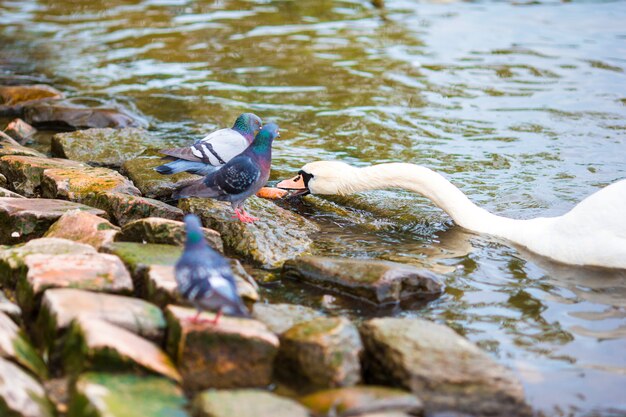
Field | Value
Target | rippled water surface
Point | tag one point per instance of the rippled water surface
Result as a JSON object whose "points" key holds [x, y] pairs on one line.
{"points": [[520, 104]]}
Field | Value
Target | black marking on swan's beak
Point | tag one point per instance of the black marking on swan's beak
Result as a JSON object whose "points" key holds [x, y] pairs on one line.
{"points": [[298, 185]]}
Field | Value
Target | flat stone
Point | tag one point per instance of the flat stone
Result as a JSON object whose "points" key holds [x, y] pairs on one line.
{"points": [[92, 344], [160, 285], [379, 282], [89, 271], [81, 113], [281, 317], [446, 371], [279, 235], [9, 308], [140, 256], [20, 394], [361, 400], [245, 403], [126, 395], [25, 173], [73, 184], [59, 307], [236, 353], [14, 98], [6, 193], [12, 260], [101, 147], [321, 353], [166, 232], [20, 130], [10, 148], [84, 227], [124, 208], [152, 184], [14, 345]]}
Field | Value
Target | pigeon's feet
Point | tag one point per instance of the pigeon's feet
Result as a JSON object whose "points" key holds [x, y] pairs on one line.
{"points": [[197, 320], [244, 217]]}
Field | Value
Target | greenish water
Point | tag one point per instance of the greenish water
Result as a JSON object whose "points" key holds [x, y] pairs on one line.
{"points": [[520, 104]]}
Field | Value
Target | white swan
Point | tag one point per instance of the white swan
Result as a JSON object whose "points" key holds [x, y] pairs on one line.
{"points": [[593, 233]]}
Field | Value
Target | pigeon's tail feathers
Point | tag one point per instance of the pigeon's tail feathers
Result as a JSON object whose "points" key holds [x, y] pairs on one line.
{"points": [[196, 189], [182, 165], [238, 310]]}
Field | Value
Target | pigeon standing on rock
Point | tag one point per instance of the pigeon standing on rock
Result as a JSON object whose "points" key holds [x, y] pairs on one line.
{"points": [[214, 150], [204, 277], [240, 178]]}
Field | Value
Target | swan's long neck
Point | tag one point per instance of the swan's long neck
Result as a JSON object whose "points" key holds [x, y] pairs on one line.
{"points": [[434, 187]]}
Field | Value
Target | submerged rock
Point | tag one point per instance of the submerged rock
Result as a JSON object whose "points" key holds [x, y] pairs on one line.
{"points": [[281, 317], [20, 394], [124, 208], [89, 271], [20, 130], [102, 147], [446, 371], [236, 353], [164, 231], [23, 219], [322, 353], [15, 346], [84, 227], [245, 403], [14, 98], [379, 282], [279, 235], [152, 184], [25, 173], [362, 400], [72, 184], [59, 307], [93, 344], [126, 395], [80, 113]]}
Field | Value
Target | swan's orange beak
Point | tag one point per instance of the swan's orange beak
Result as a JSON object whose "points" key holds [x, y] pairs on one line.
{"points": [[295, 183]]}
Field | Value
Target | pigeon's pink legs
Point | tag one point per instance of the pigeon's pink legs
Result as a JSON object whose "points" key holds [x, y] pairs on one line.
{"points": [[244, 217], [217, 317], [196, 320]]}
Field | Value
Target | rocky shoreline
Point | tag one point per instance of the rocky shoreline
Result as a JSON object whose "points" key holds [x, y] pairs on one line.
{"points": [[91, 323]]}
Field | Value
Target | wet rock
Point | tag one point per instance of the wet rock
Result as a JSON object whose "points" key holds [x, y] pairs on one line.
{"points": [[124, 208], [236, 353], [74, 184], [322, 353], [14, 98], [81, 113], [89, 271], [446, 371], [245, 403], [6, 193], [101, 147], [15, 346], [126, 395], [279, 235], [152, 184], [164, 231], [59, 307], [12, 260], [140, 256], [281, 317], [9, 148], [20, 394], [84, 227], [20, 130], [362, 400], [9, 308], [25, 173], [23, 219], [92, 344], [160, 285], [3, 182], [379, 282]]}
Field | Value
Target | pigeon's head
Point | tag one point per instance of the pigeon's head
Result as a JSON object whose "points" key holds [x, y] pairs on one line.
{"points": [[265, 137], [194, 229], [248, 124]]}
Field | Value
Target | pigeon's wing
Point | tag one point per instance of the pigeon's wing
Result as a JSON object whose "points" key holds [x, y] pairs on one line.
{"points": [[237, 176], [215, 149], [181, 153]]}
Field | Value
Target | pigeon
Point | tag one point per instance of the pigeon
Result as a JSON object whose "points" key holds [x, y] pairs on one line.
{"points": [[214, 150], [204, 276], [240, 177]]}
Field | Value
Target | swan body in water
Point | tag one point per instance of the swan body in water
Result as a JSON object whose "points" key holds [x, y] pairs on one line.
{"points": [[593, 233]]}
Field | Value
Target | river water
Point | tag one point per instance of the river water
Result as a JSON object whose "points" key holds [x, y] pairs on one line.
{"points": [[521, 104]]}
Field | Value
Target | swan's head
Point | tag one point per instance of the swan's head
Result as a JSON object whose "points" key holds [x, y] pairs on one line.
{"points": [[321, 177]]}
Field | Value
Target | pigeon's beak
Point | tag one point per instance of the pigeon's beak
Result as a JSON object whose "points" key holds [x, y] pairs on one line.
{"points": [[296, 184]]}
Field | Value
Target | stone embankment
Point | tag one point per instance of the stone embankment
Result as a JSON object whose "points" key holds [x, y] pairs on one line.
{"points": [[91, 323]]}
